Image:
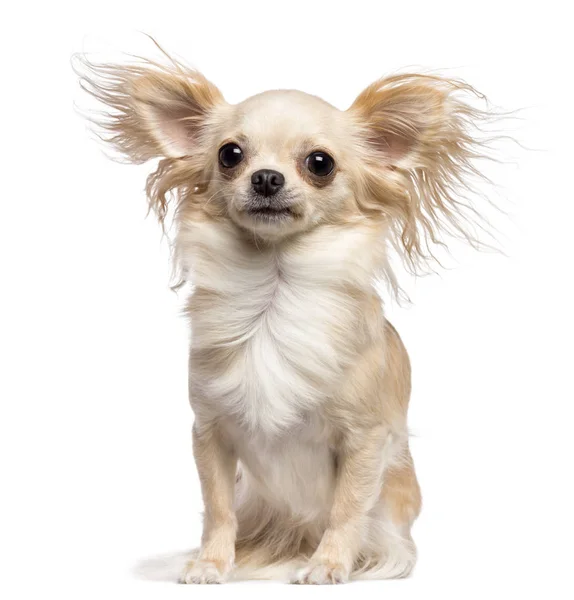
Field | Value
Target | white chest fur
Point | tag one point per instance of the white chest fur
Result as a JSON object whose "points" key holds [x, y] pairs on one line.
{"points": [[280, 323], [294, 473]]}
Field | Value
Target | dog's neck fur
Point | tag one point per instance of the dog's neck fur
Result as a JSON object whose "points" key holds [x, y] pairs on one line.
{"points": [[330, 254], [284, 319]]}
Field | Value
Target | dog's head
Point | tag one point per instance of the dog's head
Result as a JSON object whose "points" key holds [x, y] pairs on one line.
{"points": [[283, 162]]}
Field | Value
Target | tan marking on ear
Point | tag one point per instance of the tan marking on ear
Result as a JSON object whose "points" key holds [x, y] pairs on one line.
{"points": [[419, 137], [398, 112], [153, 110]]}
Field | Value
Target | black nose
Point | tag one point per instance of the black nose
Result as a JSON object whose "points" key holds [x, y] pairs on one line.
{"points": [[267, 182]]}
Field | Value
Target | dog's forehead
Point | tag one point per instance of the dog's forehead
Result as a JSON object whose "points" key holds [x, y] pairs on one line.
{"points": [[284, 115]]}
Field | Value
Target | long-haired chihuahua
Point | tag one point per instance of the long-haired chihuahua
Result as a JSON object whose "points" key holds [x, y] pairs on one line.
{"points": [[288, 212]]}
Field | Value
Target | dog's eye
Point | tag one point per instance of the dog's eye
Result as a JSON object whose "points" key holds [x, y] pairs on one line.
{"points": [[230, 155], [320, 163]]}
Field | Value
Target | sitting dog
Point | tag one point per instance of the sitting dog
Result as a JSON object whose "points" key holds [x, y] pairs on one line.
{"points": [[287, 213]]}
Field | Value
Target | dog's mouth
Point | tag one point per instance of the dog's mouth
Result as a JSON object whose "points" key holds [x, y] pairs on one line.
{"points": [[271, 213]]}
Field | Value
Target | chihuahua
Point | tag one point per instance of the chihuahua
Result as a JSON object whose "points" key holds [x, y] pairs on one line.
{"points": [[287, 213]]}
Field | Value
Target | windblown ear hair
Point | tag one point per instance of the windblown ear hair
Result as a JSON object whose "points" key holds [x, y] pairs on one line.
{"points": [[421, 137], [154, 111]]}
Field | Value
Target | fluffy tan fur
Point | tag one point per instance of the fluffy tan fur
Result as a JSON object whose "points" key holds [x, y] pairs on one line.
{"points": [[299, 384]]}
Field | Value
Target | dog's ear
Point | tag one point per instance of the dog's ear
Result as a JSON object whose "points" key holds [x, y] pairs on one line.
{"points": [[152, 110], [419, 138], [408, 118]]}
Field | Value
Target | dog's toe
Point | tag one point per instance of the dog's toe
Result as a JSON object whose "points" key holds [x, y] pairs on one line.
{"points": [[321, 574], [202, 571]]}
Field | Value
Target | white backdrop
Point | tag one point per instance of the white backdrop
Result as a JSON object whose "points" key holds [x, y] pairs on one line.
{"points": [[97, 470]]}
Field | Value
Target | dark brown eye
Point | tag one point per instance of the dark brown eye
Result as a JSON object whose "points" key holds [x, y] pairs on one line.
{"points": [[320, 163], [230, 155]]}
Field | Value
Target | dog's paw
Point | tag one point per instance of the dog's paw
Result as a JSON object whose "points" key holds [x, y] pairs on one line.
{"points": [[203, 571], [321, 574]]}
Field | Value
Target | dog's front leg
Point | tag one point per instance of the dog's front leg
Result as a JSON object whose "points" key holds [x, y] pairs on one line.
{"points": [[361, 461], [216, 465]]}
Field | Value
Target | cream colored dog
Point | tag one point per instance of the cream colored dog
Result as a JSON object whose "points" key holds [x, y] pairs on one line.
{"points": [[286, 211]]}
